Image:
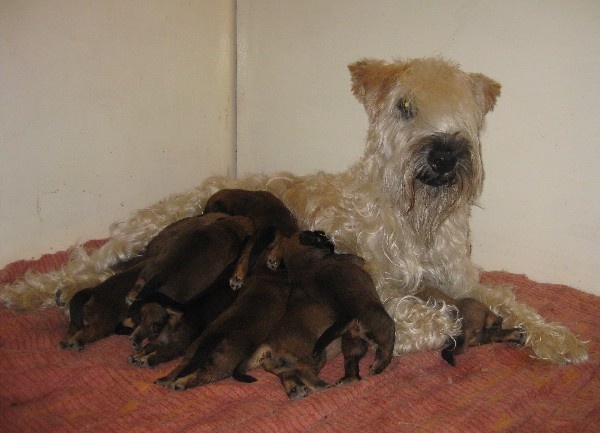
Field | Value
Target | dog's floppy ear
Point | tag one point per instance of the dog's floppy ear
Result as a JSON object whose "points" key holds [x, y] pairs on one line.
{"points": [[365, 75], [486, 91]]}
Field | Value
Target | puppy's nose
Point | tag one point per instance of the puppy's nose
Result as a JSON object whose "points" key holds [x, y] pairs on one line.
{"points": [[442, 160]]}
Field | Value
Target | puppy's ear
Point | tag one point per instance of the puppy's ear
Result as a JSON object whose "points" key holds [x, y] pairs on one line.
{"points": [[175, 313], [486, 91], [215, 206]]}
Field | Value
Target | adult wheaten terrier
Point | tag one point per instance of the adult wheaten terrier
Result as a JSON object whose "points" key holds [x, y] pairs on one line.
{"points": [[404, 207]]}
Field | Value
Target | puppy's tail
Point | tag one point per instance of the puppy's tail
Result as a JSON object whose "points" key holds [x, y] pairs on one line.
{"points": [[453, 348], [250, 362], [329, 335], [240, 375]]}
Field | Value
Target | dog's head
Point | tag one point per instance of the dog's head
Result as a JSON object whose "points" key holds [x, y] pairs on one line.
{"points": [[425, 116]]}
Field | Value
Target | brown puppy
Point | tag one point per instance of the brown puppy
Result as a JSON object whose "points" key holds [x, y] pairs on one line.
{"points": [[266, 212], [99, 311], [191, 255], [479, 325], [186, 322], [288, 350], [184, 258], [147, 319], [236, 333], [340, 282]]}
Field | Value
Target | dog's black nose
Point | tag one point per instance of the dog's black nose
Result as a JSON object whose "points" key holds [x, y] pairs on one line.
{"points": [[442, 160]]}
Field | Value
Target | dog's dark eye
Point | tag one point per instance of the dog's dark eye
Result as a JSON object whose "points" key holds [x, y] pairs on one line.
{"points": [[406, 109]]}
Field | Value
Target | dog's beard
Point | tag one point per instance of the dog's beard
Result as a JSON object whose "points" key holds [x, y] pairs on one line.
{"points": [[427, 206], [430, 206]]}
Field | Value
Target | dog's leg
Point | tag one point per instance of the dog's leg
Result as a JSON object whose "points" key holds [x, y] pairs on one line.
{"points": [[421, 326]]}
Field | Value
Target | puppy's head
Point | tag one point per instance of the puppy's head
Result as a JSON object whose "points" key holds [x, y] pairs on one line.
{"points": [[302, 249], [316, 239]]}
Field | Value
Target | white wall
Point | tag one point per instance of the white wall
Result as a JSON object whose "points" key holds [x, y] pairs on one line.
{"points": [[105, 107], [540, 209]]}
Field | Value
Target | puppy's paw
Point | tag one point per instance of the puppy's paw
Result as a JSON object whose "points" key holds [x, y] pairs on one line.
{"points": [[176, 386], [132, 295], [138, 360], [273, 262], [74, 345], [348, 379], [136, 346], [520, 336], [236, 282], [163, 381], [58, 298], [297, 391]]}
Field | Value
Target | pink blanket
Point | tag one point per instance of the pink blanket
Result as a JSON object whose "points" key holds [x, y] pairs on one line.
{"points": [[492, 388]]}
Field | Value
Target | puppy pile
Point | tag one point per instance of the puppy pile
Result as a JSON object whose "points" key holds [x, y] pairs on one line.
{"points": [[240, 286]]}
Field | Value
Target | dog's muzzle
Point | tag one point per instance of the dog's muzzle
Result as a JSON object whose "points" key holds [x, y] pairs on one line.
{"points": [[442, 158]]}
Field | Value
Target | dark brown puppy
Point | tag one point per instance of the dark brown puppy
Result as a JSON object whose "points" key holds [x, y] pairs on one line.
{"points": [[189, 256], [288, 350], [236, 333], [186, 322], [340, 282], [164, 241], [479, 325], [99, 311], [266, 212], [147, 319]]}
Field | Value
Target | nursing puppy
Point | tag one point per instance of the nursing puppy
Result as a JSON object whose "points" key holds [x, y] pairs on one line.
{"points": [[479, 325], [191, 255], [288, 350], [266, 212], [236, 333], [186, 322], [340, 282], [147, 319], [99, 311]]}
